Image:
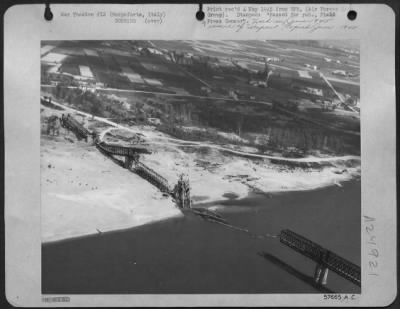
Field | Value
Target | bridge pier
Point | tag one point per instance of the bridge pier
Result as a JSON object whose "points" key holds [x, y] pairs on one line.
{"points": [[128, 162], [321, 274], [324, 276], [181, 193]]}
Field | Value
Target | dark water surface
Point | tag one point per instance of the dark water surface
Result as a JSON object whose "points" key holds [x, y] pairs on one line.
{"points": [[188, 255]]}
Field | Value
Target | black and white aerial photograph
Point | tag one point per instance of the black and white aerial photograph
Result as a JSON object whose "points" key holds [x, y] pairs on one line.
{"points": [[200, 167]]}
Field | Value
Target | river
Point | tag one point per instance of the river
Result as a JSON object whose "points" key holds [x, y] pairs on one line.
{"points": [[189, 255]]}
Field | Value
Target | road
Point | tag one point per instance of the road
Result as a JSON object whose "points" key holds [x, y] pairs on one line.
{"points": [[324, 125], [336, 93], [177, 142], [168, 94]]}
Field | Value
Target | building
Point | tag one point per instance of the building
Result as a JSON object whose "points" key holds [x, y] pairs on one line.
{"points": [[154, 121]]}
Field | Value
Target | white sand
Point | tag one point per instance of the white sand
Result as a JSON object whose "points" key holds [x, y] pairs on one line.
{"points": [[220, 173], [84, 192]]}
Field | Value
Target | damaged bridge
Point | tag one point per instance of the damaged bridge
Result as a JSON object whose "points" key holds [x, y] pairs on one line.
{"points": [[73, 125], [130, 153], [325, 259], [131, 161], [131, 156], [152, 176]]}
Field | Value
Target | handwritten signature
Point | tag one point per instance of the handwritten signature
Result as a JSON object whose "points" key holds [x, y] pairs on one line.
{"points": [[290, 24]]}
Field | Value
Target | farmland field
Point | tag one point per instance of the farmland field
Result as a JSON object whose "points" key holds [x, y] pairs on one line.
{"points": [[224, 74]]}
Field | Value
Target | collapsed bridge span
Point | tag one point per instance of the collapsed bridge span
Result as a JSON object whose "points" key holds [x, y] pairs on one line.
{"points": [[125, 151], [152, 176], [132, 155], [73, 125]]}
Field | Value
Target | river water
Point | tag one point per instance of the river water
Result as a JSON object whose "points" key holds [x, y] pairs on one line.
{"points": [[189, 255]]}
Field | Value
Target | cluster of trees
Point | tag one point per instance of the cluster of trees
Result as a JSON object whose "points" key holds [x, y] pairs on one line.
{"points": [[84, 100], [305, 139], [194, 135], [99, 104], [90, 102], [181, 113], [276, 138], [279, 139], [168, 112], [178, 132]]}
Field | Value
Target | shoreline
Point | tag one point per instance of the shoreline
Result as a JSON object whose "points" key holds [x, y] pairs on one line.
{"points": [[218, 205], [270, 194], [142, 257], [57, 240], [70, 211]]}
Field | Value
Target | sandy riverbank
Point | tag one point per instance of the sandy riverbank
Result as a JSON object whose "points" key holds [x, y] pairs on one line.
{"points": [[213, 174], [84, 192]]}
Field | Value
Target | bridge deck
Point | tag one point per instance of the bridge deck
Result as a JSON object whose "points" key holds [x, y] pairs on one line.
{"points": [[153, 177], [142, 170], [123, 150], [73, 125]]}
